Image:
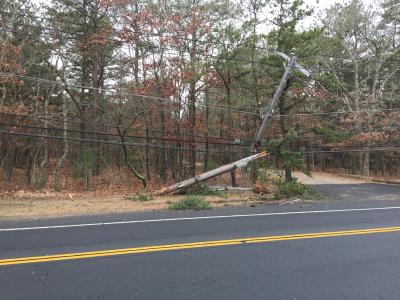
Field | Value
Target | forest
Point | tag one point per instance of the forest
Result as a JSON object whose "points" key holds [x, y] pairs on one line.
{"points": [[142, 93]]}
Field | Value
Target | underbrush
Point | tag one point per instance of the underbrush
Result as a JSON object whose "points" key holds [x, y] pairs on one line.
{"points": [[287, 190], [190, 202], [264, 184], [204, 190], [141, 197]]}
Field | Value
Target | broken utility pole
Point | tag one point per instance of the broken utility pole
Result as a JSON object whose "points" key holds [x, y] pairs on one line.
{"points": [[271, 104], [275, 99], [256, 144], [210, 174], [255, 148]]}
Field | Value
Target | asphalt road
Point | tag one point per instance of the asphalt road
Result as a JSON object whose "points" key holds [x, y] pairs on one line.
{"points": [[337, 262], [360, 192]]}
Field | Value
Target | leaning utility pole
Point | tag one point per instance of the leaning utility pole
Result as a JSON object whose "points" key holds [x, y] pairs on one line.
{"points": [[271, 104], [257, 143], [255, 148], [275, 99]]}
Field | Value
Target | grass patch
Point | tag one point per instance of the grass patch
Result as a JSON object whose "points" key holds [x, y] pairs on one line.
{"points": [[203, 190], [287, 190], [190, 202], [141, 197]]}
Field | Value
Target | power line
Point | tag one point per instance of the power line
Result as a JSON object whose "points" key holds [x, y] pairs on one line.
{"points": [[24, 134], [95, 141], [199, 104], [204, 139], [154, 98], [126, 136], [35, 117], [377, 149], [339, 112], [313, 138]]}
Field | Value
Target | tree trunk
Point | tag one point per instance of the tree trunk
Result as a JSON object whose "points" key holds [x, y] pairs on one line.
{"points": [[57, 177], [9, 162], [162, 151], [44, 170], [207, 146], [127, 161], [285, 130], [288, 174], [365, 165], [147, 155], [383, 164]]}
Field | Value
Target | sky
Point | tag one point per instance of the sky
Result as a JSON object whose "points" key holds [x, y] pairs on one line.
{"points": [[322, 4], [318, 5]]}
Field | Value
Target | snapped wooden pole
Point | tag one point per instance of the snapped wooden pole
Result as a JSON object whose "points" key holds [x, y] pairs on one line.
{"points": [[210, 174], [272, 104], [257, 143], [275, 99]]}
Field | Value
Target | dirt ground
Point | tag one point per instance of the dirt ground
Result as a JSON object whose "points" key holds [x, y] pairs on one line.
{"points": [[34, 205], [324, 178]]}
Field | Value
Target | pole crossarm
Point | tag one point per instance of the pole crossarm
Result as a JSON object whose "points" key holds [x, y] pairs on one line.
{"points": [[296, 65]]}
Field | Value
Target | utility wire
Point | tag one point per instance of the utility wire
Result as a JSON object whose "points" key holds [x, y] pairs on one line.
{"points": [[377, 149], [126, 136], [25, 134], [79, 87], [35, 117], [339, 112], [95, 141], [243, 142], [153, 98]]}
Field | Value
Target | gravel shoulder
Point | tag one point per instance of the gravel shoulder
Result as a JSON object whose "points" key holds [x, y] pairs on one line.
{"points": [[25, 205], [38, 205]]}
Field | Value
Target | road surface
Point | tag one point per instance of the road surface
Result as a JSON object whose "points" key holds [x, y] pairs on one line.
{"points": [[330, 250], [345, 188]]}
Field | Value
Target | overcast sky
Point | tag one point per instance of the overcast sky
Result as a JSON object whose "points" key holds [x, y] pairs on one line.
{"points": [[322, 4], [319, 5]]}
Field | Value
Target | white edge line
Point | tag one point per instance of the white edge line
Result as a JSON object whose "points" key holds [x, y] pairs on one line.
{"points": [[199, 218]]}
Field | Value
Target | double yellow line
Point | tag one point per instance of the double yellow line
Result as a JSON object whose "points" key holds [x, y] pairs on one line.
{"points": [[206, 244]]}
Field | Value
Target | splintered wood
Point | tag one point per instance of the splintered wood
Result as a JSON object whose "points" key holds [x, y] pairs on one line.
{"points": [[210, 174]]}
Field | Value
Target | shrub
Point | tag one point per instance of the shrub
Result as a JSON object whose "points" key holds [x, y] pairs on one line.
{"points": [[264, 181], [141, 197], [190, 202], [203, 190], [285, 190]]}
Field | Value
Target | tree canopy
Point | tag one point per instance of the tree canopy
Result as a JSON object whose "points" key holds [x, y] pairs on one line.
{"points": [[165, 89]]}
